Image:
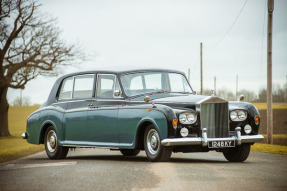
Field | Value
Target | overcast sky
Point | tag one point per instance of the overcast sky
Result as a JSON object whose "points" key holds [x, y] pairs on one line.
{"points": [[167, 34]]}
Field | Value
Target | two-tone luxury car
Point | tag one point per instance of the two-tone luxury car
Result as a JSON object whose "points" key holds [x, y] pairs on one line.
{"points": [[152, 110]]}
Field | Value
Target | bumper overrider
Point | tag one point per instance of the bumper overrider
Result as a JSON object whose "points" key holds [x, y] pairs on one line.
{"points": [[25, 135], [239, 139]]}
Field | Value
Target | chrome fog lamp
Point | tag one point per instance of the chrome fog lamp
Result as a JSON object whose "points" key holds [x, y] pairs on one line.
{"points": [[247, 129], [184, 132]]}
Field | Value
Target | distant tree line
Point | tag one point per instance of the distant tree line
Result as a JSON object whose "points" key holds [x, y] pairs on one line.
{"points": [[22, 101], [279, 94]]}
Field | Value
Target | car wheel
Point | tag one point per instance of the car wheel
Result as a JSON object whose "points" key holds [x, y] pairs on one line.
{"points": [[130, 152], [53, 150], [237, 154], [153, 148]]}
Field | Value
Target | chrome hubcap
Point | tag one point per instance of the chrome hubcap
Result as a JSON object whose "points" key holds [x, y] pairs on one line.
{"points": [[153, 141], [52, 141]]}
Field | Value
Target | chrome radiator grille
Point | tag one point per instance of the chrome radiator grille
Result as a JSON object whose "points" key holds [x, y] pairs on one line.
{"points": [[214, 117]]}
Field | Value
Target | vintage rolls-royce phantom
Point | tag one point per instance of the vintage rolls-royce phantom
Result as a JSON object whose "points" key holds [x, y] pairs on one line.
{"points": [[152, 110]]}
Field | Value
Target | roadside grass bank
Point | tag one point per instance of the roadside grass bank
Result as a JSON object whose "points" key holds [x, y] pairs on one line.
{"points": [[263, 106], [278, 139], [266, 148], [15, 146]]}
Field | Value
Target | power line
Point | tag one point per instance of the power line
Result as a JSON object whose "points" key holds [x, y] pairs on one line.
{"points": [[229, 29]]}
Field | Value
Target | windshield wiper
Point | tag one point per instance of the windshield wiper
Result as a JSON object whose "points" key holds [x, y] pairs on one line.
{"points": [[158, 92], [182, 92]]}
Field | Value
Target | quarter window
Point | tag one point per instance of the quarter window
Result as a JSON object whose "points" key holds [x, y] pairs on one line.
{"points": [[66, 89]]}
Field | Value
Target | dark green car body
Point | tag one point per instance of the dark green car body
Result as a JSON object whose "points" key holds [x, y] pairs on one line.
{"points": [[119, 121]]}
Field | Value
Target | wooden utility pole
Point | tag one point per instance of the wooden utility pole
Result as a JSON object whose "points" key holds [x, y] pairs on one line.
{"points": [[214, 85], [236, 93], [201, 86], [269, 73]]}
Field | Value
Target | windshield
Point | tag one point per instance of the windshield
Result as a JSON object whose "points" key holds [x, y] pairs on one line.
{"points": [[154, 82]]}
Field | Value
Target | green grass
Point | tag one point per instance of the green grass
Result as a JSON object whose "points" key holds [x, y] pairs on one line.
{"points": [[15, 147], [263, 106], [265, 148]]}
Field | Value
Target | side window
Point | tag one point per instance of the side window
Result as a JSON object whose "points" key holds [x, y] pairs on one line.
{"points": [[83, 86], [106, 85], [66, 89]]}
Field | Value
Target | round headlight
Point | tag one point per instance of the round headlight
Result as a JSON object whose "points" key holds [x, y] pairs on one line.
{"points": [[182, 118], [187, 118], [190, 117], [241, 115], [247, 129], [184, 132], [233, 115]]}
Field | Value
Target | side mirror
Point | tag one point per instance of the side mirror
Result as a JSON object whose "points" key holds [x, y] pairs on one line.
{"points": [[117, 93], [194, 92]]}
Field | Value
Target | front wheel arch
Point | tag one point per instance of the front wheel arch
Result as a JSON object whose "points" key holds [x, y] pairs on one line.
{"points": [[139, 143]]}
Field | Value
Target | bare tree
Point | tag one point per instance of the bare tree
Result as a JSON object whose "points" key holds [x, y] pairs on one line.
{"points": [[249, 96], [225, 94], [29, 46]]}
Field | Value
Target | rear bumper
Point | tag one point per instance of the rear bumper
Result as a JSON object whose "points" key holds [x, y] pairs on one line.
{"points": [[25, 135], [204, 140]]}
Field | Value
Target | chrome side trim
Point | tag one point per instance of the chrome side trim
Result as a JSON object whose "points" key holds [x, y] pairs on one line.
{"points": [[200, 141]]}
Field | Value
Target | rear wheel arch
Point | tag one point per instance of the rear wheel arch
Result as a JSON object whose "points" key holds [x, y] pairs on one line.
{"points": [[45, 126]]}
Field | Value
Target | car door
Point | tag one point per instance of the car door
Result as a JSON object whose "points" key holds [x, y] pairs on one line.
{"points": [[77, 107], [103, 112]]}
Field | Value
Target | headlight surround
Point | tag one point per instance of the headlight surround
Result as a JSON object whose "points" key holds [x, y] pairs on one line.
{"points": [[187, 118], [238, 115]]}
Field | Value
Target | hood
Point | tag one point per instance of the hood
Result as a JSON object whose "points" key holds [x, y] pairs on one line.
{"points": [[189, 101], [174, 100]]}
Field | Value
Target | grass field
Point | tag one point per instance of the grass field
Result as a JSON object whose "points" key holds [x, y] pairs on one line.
{"points": [[15, 147], [264, 148], [263, 106]]}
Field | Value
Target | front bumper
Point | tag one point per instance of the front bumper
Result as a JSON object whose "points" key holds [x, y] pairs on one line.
{"points": [[239, 139]]}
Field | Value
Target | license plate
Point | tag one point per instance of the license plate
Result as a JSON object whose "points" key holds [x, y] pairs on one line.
{"points": [[221, 144]]}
